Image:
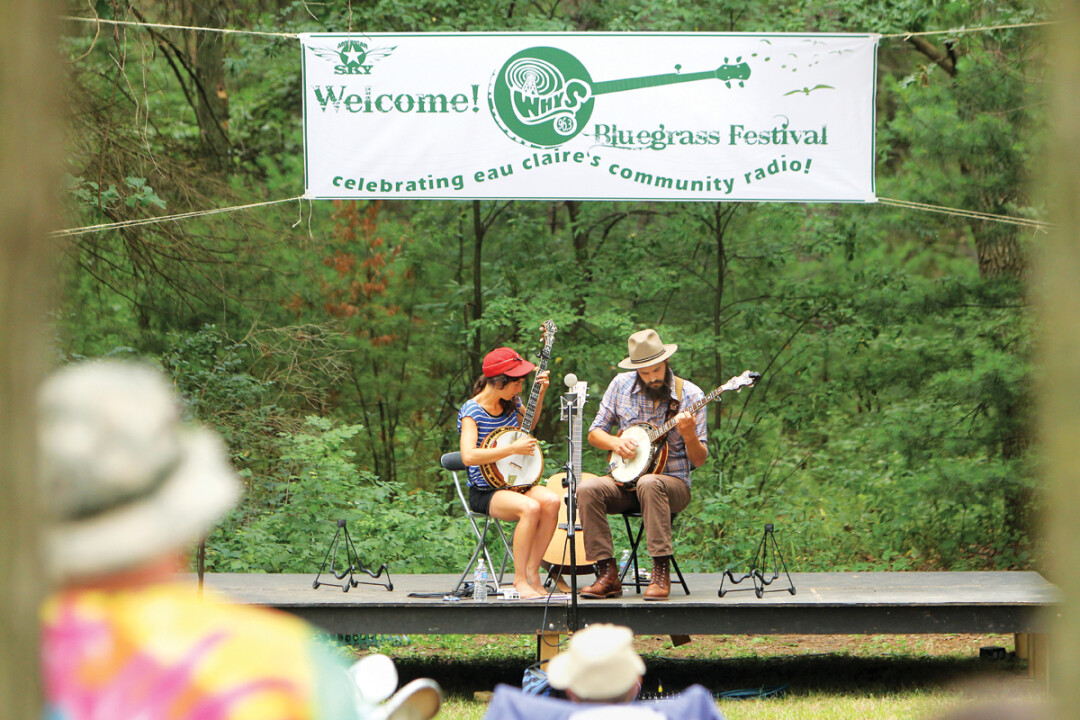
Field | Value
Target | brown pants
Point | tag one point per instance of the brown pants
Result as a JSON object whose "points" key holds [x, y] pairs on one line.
{"points": [[656, 496]]}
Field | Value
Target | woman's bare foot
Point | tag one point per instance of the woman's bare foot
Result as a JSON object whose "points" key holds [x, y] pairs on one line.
{"points": [[536, 583], [526, 590]]}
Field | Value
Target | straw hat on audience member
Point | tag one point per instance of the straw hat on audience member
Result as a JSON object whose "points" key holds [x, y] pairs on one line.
{"points": [[125, 481], [599, 664]]}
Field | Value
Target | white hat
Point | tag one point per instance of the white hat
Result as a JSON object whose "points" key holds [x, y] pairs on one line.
{"points": [[124, 481], [599, 663], [374, 679]]}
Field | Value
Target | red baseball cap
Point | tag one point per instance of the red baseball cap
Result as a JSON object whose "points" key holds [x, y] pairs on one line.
{"points": [[506, 361]]}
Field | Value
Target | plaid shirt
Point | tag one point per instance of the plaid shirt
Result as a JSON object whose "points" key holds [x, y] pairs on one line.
{"points": [[625, 404]]}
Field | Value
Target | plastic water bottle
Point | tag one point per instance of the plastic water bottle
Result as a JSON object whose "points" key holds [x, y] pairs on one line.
{"points": [[624, 562], [480, 582]]}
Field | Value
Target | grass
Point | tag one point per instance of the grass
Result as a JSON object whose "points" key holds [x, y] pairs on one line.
{"points": [[880, 677], [901, 706], [889, 706]]}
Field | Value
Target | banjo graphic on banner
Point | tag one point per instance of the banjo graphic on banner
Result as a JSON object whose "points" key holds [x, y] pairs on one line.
{"points": [[634, 116]]}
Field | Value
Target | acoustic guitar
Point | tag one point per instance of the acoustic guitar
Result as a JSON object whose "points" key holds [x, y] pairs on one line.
{"points": [[519, 472], [557, 556], [651, 453]]}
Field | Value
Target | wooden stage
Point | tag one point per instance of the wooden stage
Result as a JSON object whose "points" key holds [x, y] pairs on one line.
{"points": [[823, 604]]}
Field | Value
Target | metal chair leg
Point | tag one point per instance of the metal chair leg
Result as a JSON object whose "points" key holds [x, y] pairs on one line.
{"points": [[635, 541]]}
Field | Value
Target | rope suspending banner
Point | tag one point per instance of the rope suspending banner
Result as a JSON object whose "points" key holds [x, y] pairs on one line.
{"points": [[162, 26], [906, 204], [164, 218], [962, 30], [970, 214]]}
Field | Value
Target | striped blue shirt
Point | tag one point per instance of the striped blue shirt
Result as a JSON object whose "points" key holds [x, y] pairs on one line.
{"points": [[625, 404], [486, 423]]}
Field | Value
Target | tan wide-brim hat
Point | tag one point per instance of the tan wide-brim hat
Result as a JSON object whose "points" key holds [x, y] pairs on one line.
{"points": [[646, 350], [125, 481], [599, 663]]}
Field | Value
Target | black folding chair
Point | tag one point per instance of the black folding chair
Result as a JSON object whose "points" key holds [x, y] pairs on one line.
{"points": [[635, 540], [452, 462]]}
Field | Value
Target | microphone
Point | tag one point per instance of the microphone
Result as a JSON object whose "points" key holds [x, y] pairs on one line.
{"points": [[570, 380]]}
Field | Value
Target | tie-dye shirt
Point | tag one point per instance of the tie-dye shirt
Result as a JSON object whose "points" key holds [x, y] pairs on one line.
{"points": [[163, 653]]}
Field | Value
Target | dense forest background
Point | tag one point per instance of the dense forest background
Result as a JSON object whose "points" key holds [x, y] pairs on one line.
{"points": [[331, 343]]}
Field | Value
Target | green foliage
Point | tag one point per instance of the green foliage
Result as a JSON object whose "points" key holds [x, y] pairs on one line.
{"points": [[211, 374], [315, 484], [332, 346], [87, 192]]}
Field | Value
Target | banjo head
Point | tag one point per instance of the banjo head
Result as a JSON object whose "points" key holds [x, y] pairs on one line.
{"points": [[514, 472], [627, 470]]}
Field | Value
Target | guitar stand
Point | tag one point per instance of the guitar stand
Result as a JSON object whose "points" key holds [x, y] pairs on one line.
{"points": [[760, 560], [354, 564]]}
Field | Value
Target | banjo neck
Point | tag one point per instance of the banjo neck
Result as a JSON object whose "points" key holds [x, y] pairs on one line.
{"points": [[735, 383], [659, 432], [534, 399], [534, 395]]}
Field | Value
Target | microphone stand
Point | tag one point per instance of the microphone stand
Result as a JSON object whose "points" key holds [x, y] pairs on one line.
{"points": [[569, 403]]}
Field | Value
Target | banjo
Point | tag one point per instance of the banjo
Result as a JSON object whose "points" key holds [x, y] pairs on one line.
{"points": [[519, 472], [651, 453]]}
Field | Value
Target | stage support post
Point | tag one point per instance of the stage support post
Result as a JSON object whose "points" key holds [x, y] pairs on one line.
{"points": [[1020, 645], [547, 645], [1038, 657]]}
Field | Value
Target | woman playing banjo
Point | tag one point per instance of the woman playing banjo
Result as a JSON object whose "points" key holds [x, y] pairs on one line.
{"points": [[496, 404]]}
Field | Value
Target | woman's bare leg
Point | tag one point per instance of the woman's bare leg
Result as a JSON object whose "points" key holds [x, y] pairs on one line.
{"points": [[516, 507]]}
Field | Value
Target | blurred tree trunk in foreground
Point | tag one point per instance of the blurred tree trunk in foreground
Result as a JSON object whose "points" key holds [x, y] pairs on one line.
{"points": [[29, 147], [1059, 417]]}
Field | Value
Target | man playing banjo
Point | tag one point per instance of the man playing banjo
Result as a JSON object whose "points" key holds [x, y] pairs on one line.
{"points": [[640, 479]]}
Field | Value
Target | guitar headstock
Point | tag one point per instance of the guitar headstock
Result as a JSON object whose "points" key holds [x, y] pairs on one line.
{"points": [[547, 338], [747, 379]]}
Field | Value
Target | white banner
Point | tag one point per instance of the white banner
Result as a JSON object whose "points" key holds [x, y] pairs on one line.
{"points": [[590, 116]]}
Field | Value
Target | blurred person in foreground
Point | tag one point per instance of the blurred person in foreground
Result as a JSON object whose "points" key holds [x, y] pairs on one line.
{"points": [[599, 665], [601, 674], [130, 489]]}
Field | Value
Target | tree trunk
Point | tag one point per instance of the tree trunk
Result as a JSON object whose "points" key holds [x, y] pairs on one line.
{"points": [[719, 225], [581, 256], [1000, 255], [479, 230], [29, 148], [998, 251], [212, 100]]}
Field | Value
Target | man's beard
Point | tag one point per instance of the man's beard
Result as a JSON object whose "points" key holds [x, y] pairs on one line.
{"points": [[658, 392]]}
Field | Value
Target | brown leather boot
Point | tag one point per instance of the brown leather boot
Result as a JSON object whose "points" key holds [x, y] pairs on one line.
{"points": [[660, 585], [607, 583]]}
